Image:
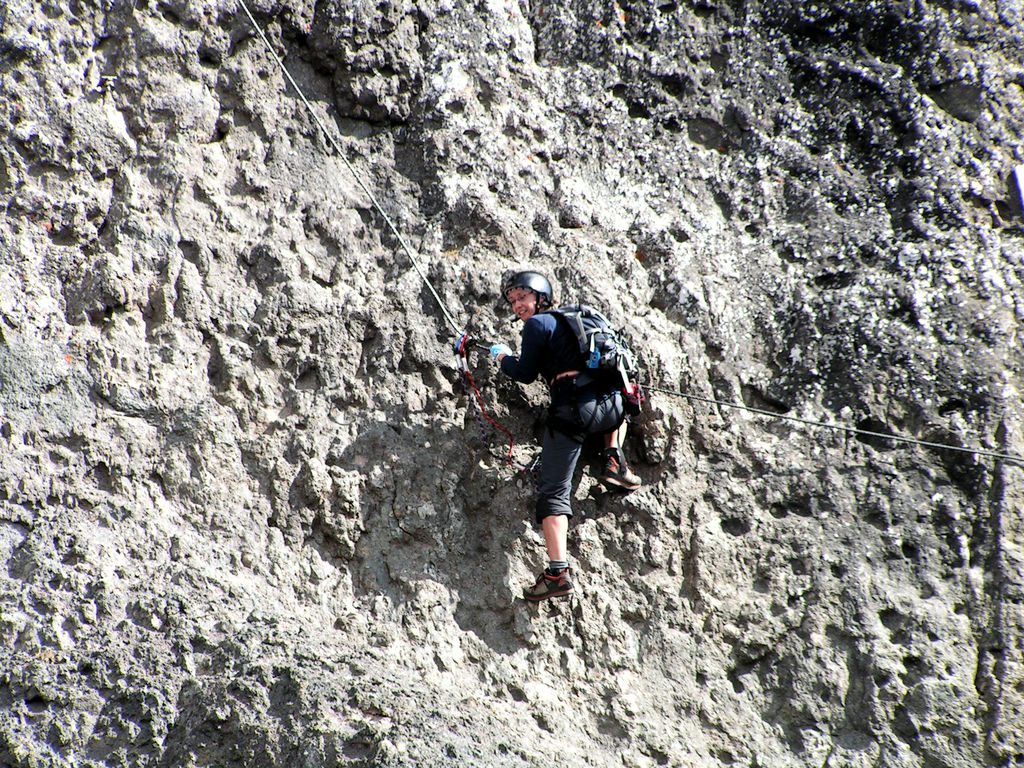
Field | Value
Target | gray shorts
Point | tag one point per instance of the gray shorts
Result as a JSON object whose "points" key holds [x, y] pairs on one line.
{"points": [[568, 427]]}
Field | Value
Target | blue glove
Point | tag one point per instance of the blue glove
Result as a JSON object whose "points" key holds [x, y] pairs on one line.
{"points": [[459, 346], [500, 349]]}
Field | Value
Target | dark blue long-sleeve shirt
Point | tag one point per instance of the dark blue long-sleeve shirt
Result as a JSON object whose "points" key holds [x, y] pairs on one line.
{"points": [[548, 348]]}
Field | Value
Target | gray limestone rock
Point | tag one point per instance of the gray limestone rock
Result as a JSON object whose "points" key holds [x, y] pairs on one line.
{"points": [[249, 512]]}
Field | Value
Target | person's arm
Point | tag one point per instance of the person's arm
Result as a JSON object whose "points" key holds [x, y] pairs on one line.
{"points": [[526, 367]]}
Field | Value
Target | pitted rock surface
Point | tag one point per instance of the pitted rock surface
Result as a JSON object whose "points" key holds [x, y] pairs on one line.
{"points": [[248, 515]]}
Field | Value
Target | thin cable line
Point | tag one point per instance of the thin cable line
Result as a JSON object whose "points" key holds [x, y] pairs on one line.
{"points": [[842, 428], [455, 326], [337, 148]]}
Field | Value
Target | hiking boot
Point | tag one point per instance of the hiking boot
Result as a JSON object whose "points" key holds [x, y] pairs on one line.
{"points": [[549, 586], [616, 472]]}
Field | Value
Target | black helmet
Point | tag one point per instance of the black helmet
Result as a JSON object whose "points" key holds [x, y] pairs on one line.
{"points": [[531, 281]]}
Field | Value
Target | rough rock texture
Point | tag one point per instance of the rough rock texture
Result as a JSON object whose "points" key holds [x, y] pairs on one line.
{"points": [[247, 516]]}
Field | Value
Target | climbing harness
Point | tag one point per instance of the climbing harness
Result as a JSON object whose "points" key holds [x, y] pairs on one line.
{"points": [[856, 431]]}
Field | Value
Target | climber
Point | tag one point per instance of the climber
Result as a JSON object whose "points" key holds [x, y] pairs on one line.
{"points": [[582, 403]]}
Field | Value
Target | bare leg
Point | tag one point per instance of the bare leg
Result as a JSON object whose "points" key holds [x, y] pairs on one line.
{"points": [[556, 528], [617, 471], [616, 438], [556, 533]]}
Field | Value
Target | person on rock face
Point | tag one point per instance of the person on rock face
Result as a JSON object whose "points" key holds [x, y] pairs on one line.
{"points": [[581, 404]]}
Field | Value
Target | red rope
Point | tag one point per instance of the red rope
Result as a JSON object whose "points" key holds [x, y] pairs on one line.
{"points": [[483, 410], [468, 378]]}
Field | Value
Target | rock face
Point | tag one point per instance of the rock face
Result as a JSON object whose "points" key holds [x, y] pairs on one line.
{"points": [[247, 515]]}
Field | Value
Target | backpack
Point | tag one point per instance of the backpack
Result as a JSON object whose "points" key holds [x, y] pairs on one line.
{"points": [[602, 350]]}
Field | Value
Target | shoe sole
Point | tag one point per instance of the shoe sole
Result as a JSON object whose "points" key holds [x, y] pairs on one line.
{"points": [[539, 599], [619, 483]]}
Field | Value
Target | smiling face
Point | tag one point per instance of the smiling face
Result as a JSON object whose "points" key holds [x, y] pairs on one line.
{"points": [[524, 303]]}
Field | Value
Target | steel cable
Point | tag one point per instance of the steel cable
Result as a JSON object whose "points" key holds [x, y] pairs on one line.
{"points": [[856, 431], [366, 190]]}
